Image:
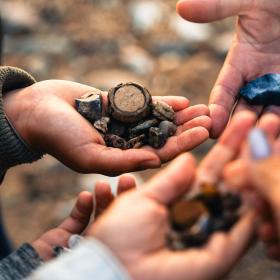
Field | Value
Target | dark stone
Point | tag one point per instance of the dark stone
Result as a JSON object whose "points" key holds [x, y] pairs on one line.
{"points": [[102, 125], [167, 128], [115, 141], [117, 128], [263, 91], [156, 138], [137, 142], [90, 106], [142, 127], [231, 201], [195, 240], [163, 111]]}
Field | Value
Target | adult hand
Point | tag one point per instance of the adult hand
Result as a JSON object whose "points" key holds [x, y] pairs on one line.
{"points": [[259, 178], [45, 117], [86, 205], [138, 236], [255, 49]]}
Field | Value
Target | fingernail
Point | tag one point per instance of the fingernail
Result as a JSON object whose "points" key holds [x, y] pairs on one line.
{"points": [[74, 240], [259, 146]]}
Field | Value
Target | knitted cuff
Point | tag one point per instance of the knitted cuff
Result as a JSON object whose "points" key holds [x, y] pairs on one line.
{"points": [[13, 150], [20, 263]]}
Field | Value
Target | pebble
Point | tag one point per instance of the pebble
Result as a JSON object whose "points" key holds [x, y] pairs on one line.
{"points": [[90, 106], [156, 138], [264, 90], [163, 111]]}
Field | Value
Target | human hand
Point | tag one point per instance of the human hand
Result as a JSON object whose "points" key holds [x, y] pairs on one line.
{"points": [[138, 236], [256, 177], [44, 115], [86, 205], [255, 50]]}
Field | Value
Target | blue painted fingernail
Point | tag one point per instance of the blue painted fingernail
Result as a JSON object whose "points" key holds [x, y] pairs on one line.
{"points": [[259, 146]]}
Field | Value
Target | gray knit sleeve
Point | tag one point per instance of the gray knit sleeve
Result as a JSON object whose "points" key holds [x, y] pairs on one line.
{"points": [[13, 150], [20, 264]]}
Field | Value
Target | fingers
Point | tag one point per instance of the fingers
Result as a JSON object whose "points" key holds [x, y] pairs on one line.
{"points": [[211, 168], [80, 215], [236, 173], [270, 124], [112, 161], [178, 103], [103, 196], [191, 113], [202, 121], [172, 182], [126, 183], [209, 10], [181, 143]]}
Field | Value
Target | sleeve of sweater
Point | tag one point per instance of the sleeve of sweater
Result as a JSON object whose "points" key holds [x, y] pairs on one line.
{"points": [[13, 150], [20, 263], [90, 260]]}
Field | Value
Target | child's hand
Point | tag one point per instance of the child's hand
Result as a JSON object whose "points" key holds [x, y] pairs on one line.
{"points": [[80, 216]]}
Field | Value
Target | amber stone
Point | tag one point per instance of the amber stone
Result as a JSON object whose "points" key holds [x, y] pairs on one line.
{"points": [[185, 213]]}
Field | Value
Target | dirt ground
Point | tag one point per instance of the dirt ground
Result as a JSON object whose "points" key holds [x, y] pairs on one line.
{"points": [[103, 43]]}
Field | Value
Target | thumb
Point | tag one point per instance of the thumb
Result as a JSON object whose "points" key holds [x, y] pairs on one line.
{"points": [[210, 10], [173, 181]]}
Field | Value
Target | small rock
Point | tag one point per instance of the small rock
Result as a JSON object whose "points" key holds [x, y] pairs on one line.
{"points": [[264, 90], [116, 128], [163, 111], [115, 142], [167, 128], [156, 138], [90, 105], [102, 125], [137, 142], [142, 127]]}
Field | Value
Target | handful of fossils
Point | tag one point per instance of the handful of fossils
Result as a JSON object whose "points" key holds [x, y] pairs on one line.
{"points": [[193, 220], [132, 119]]}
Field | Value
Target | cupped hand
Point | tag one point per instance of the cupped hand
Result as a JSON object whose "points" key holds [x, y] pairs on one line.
{"points": [[44, 115], [138, 236], [255, 50], [87, 204]]}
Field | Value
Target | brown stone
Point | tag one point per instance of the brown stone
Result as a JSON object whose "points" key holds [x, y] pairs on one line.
{"points": [[185, 213], [129, 102]]}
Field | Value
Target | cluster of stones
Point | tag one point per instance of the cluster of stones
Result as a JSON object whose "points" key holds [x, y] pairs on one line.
{"points": [[194, 220], [132, 119]]}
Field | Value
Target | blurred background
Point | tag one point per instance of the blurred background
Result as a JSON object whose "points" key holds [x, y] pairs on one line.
{"points": [[103, 43]]}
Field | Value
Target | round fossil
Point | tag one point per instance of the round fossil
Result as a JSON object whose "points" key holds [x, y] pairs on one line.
{"points": [[129, 102]]}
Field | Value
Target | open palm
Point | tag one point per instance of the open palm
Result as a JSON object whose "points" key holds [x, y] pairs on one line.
{"points": [[45, 117], [255, 50]]}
